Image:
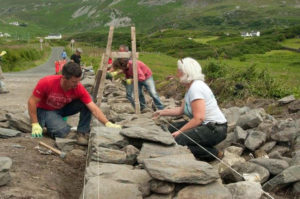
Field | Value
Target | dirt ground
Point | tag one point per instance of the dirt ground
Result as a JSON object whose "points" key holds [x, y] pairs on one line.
{"points": [[36, 176]]}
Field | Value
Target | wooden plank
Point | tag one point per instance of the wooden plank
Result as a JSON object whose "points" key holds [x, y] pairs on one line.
{"points": [[115, 55], [105, 64], [135, 73], [96, 85]]}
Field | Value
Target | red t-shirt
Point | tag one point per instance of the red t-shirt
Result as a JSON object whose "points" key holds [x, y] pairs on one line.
{"points": [[53, 97], [143, 70]]}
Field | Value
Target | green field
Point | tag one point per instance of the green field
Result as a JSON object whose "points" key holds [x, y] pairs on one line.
{"points": [[291, 43]]}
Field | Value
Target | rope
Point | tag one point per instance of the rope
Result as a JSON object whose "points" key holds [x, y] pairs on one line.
{"points": [[221, 161]]}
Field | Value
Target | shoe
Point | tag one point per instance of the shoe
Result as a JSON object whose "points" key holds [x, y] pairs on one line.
{"points": [[82, 140], [220, 155], [71, 135]]}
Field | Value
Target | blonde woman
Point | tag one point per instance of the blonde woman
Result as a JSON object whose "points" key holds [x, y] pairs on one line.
{"points": [[207, 125]]}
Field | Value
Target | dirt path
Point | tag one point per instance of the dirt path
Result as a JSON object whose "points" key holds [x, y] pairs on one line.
{"points": [[35, 176]]}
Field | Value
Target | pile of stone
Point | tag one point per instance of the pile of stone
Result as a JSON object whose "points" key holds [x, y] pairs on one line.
{"points": [[143, 161]]}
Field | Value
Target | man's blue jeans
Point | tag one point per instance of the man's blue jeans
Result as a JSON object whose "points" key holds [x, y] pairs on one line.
{"points": [[150, 87], [57, 127]]}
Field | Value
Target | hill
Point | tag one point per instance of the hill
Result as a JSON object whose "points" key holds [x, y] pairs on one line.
{"points": [[49, 16]]}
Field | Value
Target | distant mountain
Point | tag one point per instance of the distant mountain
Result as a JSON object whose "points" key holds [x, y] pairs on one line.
{"points": [[70, 16]]}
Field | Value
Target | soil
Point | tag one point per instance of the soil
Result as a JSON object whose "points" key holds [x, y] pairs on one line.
{"points": [[33, 175]]}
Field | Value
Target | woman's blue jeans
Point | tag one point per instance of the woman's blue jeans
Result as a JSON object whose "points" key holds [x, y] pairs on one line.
{"points": [[57, 127], [150, 87]]}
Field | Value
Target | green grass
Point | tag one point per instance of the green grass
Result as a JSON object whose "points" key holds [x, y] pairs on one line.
{"points": [[283, 65], [204, 40], [291, 43]]}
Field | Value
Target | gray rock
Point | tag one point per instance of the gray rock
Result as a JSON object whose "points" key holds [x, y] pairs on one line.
{"points": [[139, 121], [98, 187], [296, 158], [213, 190], [123, 174], [8, 133], [286, 135], [181, 169], [4, 124], [131, 154], [243, 190], [65, 144], [20, 121], [267, 147], [296, 188], [289, 175], [286, 100], [277, 155], [151, 133], [108, 138], [280, 149], [233, 114], [160, 196], [230, 138], [274, 166], [268, 127], [5, 165], [294, 107], [122, 108], [161, 187], [248, 170], [250, 120], [102, 154], [240, 134], [151, 150], [255, 139]]}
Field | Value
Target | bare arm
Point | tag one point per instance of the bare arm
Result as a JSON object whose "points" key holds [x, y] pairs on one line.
{"points": [[198, 109], [32, 108], [170, 112], [97, 112]]}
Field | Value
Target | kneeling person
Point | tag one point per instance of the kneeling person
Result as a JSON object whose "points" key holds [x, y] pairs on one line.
{"points": [[58, 96]]}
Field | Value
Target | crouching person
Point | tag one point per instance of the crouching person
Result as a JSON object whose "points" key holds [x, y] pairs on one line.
{"points": [[58, 96], [207, 125]]}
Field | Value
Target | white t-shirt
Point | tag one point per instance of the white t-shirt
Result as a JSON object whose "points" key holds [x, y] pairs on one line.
{"points": [[200, 90]]}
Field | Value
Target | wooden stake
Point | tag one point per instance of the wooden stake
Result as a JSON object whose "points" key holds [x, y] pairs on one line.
{"points": [[135, 72], [105, 64]]}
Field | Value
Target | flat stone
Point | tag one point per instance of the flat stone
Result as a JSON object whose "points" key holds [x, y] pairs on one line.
{"points": [[152, 150], [121, 173], [181, 169], [5, 164], [151, 133], [274, 166], [65, 144], [102, 154], [287, 99], [8, 133], [98, 187], [161, 187], [245, 190], [255, 139], [213, 190], [289, 175], [108, 138]]}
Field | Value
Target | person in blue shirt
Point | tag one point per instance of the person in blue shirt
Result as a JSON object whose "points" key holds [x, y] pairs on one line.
{"points": [[64, 54]]}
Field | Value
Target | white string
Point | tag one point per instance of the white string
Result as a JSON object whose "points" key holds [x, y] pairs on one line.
{"points": [[224, 163]]}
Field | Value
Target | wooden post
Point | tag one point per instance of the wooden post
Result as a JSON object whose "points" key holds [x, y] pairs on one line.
{"points": [[105, 64], [135, 72], [95, 87]]}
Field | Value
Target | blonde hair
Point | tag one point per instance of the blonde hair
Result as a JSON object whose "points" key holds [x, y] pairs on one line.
{"points": [[191, 70]]}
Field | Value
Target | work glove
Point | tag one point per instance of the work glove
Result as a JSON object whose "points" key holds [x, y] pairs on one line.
{"points": [[3, 53], [114, 73], [111, 125], [37, 130], [128, 81]]}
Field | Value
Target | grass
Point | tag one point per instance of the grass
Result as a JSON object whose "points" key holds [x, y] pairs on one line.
{"points": [[291, 43], [204, 40]]}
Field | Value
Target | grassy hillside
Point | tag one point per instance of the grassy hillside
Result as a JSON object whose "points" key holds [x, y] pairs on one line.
{"points": [[69, 16]]}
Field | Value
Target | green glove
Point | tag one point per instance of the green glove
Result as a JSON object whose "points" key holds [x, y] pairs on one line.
{"points": [[37, 130], [114, 73], [128, 81], [111, 125]]}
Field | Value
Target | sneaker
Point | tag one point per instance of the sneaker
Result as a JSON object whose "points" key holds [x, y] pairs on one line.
{"points": [[82, 140], [71, 135]]}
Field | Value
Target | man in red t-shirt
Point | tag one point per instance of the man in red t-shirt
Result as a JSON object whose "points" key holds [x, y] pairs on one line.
{"points": [[58, 96]]}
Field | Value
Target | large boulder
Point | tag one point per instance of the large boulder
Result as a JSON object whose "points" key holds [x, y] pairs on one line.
{"points": [[181, 169]]}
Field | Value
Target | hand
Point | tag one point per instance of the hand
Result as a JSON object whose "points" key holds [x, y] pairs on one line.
{"points": [[37, 130], [128, 81], [156, 114], [111, 125], [176, 133]]}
